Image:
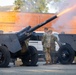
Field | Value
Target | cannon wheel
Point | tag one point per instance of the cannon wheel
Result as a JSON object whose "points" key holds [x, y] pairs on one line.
{"points": [[31, 57], [4, 56], [66, 54]]}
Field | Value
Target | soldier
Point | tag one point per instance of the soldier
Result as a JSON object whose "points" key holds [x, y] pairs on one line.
{"points": [[54, 56], [46, 46]]}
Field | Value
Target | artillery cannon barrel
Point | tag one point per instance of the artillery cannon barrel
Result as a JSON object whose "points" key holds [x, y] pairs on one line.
{"points": [[25, 33], [42, 24]]}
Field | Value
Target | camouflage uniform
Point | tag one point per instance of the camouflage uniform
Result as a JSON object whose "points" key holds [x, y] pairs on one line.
{"points": [[46, 46], [52, 48]]}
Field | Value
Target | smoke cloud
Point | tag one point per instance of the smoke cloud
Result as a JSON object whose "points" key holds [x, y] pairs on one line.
{"points": [[67, 21]]}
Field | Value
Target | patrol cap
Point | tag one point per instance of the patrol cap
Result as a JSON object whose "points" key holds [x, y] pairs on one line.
{"points": [[50, 31], [45, 28]]}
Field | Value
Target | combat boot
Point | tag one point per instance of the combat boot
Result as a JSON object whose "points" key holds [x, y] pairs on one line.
{"points": [[46, 63]]}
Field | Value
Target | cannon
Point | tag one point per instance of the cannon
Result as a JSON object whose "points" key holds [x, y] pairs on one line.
{"points": [[14, 45]]}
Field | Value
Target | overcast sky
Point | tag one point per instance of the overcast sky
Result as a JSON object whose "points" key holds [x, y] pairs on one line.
{"points": [[6, 2]]}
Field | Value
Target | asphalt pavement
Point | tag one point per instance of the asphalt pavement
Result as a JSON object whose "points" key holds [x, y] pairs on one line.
{"points": [[55, 69]]}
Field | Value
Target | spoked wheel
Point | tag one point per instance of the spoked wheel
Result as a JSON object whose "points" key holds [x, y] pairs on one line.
{"points": [[66, 54], [31, 57], [4, 56]]}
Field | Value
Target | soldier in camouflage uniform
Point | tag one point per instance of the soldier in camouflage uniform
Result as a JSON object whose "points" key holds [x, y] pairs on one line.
{"points": [[46, 46], [49, 47], [54, 56]]}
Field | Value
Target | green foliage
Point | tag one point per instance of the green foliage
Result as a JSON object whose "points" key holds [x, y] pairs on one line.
{"points": [[18, 4], [57, 0], [38, 6]]}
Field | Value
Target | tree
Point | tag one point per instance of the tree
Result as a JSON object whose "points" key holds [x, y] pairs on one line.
{"points": [[39, 6], [18, 4]]}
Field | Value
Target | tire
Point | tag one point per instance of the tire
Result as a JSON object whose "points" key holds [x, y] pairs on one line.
{"points": [[31, 57], [66, 54], [4, 56]]}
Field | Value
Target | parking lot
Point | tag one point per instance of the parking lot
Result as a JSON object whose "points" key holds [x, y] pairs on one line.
{"points": [[55, 69]]}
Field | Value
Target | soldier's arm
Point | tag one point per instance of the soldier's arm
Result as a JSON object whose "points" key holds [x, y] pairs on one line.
{"points": [[59, 43], [43, 39]]}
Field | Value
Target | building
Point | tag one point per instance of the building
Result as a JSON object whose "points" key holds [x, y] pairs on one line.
{"points": [[15, 21]]}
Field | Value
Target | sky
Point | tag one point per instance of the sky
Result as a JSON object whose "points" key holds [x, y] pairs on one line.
{"points": [[6, 2]]}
